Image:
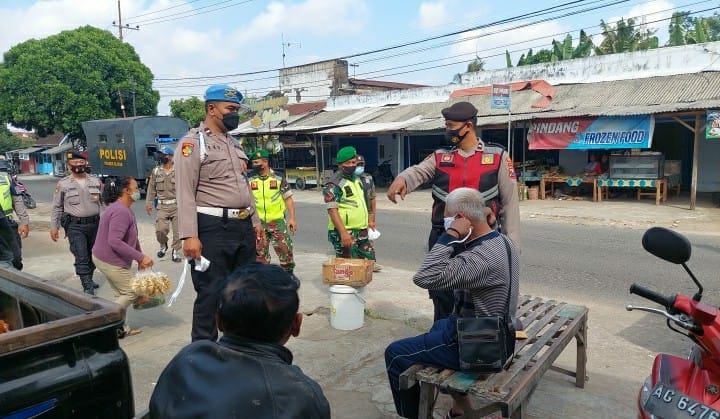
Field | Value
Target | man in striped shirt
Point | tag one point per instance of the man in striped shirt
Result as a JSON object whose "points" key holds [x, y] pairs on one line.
{"points": [[479, 264]]}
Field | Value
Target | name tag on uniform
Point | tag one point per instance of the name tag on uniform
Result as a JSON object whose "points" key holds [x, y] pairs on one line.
{"points": [[487, 158], [254, 185], [273, 184]]}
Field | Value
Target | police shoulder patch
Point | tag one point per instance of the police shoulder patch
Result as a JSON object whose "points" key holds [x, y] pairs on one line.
{"points": [[510, 167], [187, 149]]}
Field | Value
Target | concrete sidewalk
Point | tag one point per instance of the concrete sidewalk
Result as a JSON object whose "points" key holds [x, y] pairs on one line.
{"points": [[349, 365]]}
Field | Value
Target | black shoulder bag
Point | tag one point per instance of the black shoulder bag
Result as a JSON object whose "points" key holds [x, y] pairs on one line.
{"points": [[486, 344]]}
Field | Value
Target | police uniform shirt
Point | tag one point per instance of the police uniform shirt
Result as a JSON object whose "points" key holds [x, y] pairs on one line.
{"points": [[161, 184], [510, 206], [218, 181], [79, 199]]}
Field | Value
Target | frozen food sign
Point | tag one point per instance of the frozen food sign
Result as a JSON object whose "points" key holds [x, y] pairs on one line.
{"points": [[585, 133], [712, 128]]}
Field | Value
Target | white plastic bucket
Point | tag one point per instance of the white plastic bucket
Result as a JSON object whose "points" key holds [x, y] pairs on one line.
{"points": [[347, 307]]}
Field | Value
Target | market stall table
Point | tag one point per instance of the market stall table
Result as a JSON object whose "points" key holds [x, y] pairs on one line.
{"points": [[570, 181], [660, 186]]}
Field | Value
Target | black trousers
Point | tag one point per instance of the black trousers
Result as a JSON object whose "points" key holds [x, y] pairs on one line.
{"points": [[443, 300], [227, 244], [16, 246], [82, 240]]}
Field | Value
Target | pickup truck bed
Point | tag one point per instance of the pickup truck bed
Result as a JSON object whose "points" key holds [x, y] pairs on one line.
{"points": [[61, 356]]}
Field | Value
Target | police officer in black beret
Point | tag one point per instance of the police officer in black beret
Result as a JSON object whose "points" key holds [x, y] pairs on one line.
{"points": [[467, 162], [76, 207]]}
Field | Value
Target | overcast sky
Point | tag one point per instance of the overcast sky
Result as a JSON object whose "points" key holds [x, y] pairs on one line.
{"points": [[193, 38]]}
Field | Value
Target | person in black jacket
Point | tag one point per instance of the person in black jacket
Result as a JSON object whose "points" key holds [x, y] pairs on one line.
{"points": [[248, 373]]}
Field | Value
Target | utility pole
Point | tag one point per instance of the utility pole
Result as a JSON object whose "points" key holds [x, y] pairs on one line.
{"points": [[285, 45], [354, 66], [122, 105], [120, 26]]}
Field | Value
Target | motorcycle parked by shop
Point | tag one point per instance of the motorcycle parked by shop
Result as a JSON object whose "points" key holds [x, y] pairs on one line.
{"points": [[22, 190], [681, 387], [382, 175]]}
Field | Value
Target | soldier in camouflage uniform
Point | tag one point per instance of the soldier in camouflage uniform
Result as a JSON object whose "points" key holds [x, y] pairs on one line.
{"points": [[347, 210], [272, 197], [161, 185]]}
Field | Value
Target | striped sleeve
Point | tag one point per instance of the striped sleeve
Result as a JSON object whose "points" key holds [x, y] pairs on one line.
{"points": [[440, 271]]}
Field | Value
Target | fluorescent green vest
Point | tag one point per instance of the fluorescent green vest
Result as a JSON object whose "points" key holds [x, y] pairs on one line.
{"points": [[6, 200], [269, 201], [352, 208]]}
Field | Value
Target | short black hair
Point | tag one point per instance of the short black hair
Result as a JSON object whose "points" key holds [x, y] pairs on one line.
{"points": [[113, 188], [259, 302]]}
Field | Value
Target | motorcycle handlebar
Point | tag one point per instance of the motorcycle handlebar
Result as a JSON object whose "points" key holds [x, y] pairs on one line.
{"points": [[667, 302]]}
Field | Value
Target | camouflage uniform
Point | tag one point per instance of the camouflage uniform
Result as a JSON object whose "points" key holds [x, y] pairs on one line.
{"points": [[335, 191], [270, 194], [161, 185]]}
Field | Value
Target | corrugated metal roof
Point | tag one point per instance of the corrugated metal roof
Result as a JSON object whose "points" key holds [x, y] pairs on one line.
{"points": [[58, 149], [685, 92], [27, 150], [372, 127]]}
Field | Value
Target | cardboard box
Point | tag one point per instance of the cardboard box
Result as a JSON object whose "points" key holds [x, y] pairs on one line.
{"points": [[351, 272]]}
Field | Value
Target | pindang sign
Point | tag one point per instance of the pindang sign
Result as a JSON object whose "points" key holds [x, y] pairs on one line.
{"points": [[586, 133]]}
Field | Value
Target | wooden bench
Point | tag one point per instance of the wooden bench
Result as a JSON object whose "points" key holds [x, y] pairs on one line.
{"points": [[550, 326]]}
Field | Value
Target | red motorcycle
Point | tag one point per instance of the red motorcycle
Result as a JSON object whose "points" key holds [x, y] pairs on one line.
{"points": [[681, 387]]}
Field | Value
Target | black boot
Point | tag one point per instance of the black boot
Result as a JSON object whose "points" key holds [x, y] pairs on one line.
{"points": [[87, 284]]}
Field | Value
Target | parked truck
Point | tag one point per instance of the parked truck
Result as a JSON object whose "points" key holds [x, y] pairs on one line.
{"points": [[127, 146], [59, 353]]}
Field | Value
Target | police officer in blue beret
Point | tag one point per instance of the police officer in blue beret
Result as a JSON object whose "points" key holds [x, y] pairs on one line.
{"points": [[216, 209]]}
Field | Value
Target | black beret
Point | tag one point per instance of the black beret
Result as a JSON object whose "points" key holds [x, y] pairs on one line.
{"points": [[72, 154], [461, 111]]}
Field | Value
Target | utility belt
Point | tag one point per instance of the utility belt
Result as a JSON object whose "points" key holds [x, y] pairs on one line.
{"points": [[71, 219], [227, 213], [167, 201]]}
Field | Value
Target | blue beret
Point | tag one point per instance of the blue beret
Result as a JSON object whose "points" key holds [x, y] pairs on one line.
{"points": [[222, 93], [167, 150]]}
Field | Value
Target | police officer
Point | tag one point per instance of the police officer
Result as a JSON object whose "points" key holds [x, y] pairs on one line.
{"points": [[368, 184], [272, 197], [347, 210], [11, 201], [470, 162], [76, 207], [161, 184], [216, 210]]}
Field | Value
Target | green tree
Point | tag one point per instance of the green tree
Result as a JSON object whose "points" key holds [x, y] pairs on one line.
{"points": [[8, 141], [57, 82], [560, 51], [679, 28], [624, 36], [475, 66], [192, 110]]}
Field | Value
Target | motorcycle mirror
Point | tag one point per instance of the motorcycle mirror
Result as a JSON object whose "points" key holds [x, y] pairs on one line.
{"points": [[667, 245]]}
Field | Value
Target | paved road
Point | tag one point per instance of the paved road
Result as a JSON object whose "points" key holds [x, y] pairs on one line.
{"points": [[587, 264]]}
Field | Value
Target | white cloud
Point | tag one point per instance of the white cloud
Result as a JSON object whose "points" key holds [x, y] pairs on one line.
{"points": [[193, 46], [654, 13], [490, 43], [433, 14]]}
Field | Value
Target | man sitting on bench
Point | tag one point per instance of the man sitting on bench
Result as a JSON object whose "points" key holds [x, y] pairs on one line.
{"points": [[471, 259]]}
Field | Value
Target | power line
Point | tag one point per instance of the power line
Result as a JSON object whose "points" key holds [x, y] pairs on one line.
{"points": [[191, 13], [182, 3], [315, 84], [396, 54], [432, 38]]}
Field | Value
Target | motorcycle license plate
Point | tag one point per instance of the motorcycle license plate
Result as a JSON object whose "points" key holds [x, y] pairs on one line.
{"points": [[667, 403]]}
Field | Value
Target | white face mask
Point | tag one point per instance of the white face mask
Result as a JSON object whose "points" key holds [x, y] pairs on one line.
{"points": [[447, 221], [135, 196]]}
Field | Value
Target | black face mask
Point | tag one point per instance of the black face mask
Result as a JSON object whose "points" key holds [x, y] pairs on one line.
{"points": [[348, 170], [257, 168], [452, 136], [88, 169], [77, 169], [231, 120], [164, 159]]}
